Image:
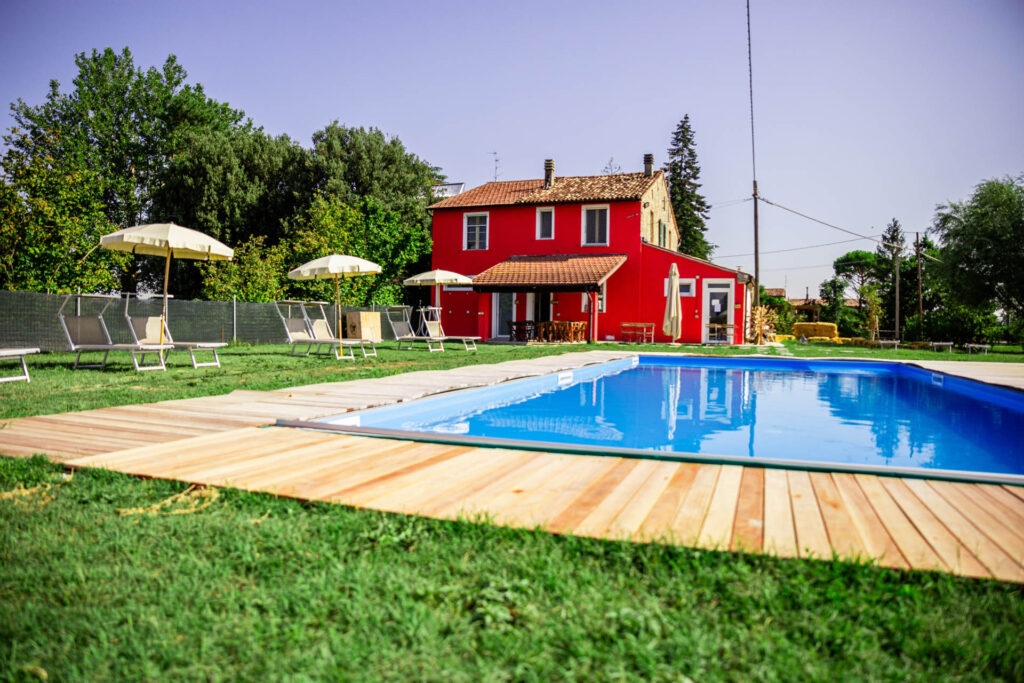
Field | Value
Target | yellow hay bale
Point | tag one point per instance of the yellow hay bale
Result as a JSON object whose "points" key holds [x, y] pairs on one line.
{"points": [[811, 330]]}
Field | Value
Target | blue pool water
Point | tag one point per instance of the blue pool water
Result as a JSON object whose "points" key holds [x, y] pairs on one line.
{"points": [[817, 412]]}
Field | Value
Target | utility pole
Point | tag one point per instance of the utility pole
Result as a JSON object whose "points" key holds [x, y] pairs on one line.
{"points": [[896, 277], [757, 258], [920, 302]]}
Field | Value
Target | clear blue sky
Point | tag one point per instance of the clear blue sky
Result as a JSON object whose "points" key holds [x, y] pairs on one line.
{"points": [[864, 110]]}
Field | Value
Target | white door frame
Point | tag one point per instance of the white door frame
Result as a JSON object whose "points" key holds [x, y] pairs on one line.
{"points": [[495, 332], [705, 302]]}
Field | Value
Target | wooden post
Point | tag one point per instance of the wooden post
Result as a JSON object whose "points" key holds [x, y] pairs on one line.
{"points": [[920, 301]]}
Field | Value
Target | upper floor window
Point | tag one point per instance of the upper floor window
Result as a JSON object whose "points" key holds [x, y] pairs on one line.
{"points": [[595, 225], [545, 224], [474, 233]]}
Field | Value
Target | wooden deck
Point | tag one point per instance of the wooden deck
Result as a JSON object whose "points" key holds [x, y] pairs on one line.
{"points": [[969, 529]]}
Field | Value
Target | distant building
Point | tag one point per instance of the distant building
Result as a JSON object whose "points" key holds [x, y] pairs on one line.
{"points": [[447, 190], [584, 248]]}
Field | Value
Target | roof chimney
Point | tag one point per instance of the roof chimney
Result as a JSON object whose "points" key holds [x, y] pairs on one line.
{"points": [[648, 165], [549, 173]]}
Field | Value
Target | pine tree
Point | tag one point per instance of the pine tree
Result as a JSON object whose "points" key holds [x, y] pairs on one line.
{"points": [[682, 173]]}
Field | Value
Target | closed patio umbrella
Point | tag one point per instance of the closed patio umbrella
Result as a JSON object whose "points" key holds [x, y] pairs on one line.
{"points": [[672, 325], [335, 266], [167, 240]]}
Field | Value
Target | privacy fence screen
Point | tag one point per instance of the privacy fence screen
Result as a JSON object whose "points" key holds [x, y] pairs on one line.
{"points": [[30, 319]]}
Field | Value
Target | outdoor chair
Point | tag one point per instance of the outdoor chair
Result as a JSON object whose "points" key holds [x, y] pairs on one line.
{"points": [[316, 335], [431, 317], [146, 330], [401, 325], [88, 333], [18, 354]]}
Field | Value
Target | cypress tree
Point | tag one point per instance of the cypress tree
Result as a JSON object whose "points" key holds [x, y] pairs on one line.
{"points": [[691, 210]]}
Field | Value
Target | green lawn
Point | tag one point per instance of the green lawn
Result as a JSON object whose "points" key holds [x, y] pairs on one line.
{"points": [[255, 587], [56, 388]]}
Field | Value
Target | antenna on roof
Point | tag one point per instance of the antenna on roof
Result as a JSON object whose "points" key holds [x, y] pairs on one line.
{"points": [[497, 165]]}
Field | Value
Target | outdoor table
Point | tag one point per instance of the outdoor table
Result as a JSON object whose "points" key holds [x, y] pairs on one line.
{"points": [[971, 348], [882, 343], [942, 345], [522, 330], [637, 332], [720, 333]]}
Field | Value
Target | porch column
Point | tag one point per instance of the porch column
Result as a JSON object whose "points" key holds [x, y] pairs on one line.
{"points": [[593, 316]]}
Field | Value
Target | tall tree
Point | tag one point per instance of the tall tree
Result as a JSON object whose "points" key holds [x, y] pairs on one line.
{"points": [[983, 245], [857, 268], [887, 256], [353, 163], [118, 126], [691, 210]]}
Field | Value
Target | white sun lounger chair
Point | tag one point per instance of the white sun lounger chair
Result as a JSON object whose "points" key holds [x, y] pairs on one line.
{"points": [[17, 354], [146, 331], [88, 333], [431, 317], [315, 335], [401, 325]]}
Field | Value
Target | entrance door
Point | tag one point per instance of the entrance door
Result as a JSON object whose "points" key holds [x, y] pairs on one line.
{"points": [[503, 311], [717, 313], [542, 307]]}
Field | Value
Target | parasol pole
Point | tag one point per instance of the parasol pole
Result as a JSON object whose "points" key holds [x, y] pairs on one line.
{"points": [[163, 314], [337, 307]]}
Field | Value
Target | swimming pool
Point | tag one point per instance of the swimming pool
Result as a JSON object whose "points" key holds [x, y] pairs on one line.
{"points": [[830, 415]]}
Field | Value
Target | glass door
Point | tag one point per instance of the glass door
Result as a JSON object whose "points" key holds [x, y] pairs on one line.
{"points": [[717, 316], [503, 311]]}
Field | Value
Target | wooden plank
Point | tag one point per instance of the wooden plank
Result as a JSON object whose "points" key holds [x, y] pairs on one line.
{"points": [[627, 523], [716, 531], [379, 473], [995, 560], [843, 535], [748, 529], [811, 536], [507, 506], [658, 522], [573, 516], [685, 528], [912, 544], [145, 452], [945, 544], [876, 538], [1012, 507], [479, 502], [1015, 490], [599, 520], [984, 514], [537, 509], [779, 531]]}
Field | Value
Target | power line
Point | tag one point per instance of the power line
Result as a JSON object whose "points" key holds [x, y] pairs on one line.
{"points": [[780, 251], [730, 202]]}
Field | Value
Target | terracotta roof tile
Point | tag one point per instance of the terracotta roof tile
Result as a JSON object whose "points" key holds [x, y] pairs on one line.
{"points": [[564, 272], [613, 187]]}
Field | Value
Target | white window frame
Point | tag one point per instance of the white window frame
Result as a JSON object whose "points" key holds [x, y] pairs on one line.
{"points": [[545, 209], [692, 282], [607, 224], [465, 230], [705, 301], [602, 300]]}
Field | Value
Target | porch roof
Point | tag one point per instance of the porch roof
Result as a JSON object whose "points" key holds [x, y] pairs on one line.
{"points": [[555, 273]]}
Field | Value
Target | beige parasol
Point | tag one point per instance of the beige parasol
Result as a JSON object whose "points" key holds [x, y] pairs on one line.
{"points": [[167, 240], [436, 278], [673, 323], [334, 267]]}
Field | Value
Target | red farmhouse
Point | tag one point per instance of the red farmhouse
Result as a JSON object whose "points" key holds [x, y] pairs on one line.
{"points": [[551, 249]]}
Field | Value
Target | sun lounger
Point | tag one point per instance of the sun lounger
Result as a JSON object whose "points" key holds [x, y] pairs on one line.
{"points": [[146, 331], [18, 354], [431, 316], [88, 334], [315, 335], [401, 325]]}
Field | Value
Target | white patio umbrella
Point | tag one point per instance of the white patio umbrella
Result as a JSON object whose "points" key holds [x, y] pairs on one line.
{"points": [[335, 266], [672, 325], [170, 241], [436, 278]]}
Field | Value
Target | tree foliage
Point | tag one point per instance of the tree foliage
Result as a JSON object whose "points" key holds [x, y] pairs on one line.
{"points": [[256, 273], [691, 210], [983, 245], [857, 268]]}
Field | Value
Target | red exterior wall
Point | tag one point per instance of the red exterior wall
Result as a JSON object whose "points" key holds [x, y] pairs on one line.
{"points": [[635, 292]]}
